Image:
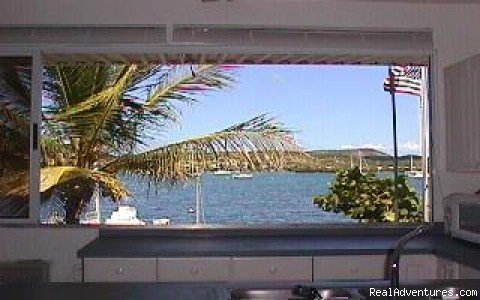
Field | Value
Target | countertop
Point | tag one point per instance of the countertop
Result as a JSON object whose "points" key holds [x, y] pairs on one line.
{"points": [[279, 243]]}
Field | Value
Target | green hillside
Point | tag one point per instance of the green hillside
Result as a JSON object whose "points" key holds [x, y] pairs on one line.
{"points": [[333, 160]]}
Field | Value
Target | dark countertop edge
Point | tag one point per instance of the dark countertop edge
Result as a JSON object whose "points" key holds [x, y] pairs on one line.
{"points": [[257, 253], [443, 246], [342, 245]]}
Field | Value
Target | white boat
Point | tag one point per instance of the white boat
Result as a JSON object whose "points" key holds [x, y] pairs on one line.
{"points": [[93, 217], [414, 174], [90, 218], [162, 221], [242, 176], [411, 173], [124, 215], [222, 172]]}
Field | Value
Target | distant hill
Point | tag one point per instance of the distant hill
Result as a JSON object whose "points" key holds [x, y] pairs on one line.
{"points": [[370, 152], [340, 159]]}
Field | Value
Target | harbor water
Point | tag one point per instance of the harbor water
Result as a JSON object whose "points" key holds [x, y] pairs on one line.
{"points": [[266, 198]]}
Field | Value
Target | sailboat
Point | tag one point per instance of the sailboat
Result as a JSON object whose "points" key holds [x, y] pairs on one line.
{"points": [[93, 217], [242, 175], [412, 173], [222, 172], [124, 215], [361, 160]]}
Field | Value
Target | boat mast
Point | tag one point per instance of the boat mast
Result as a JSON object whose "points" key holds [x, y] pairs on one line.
{"points": [[198, 199], [96, 196], [199, 215], [360, 161]]}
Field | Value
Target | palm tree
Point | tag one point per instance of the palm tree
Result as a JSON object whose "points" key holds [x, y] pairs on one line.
{"points": [[14, 133], [255, 144], [97, 118]]}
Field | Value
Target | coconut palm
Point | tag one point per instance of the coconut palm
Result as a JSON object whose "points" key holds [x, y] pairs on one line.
{"points": [[256, 144], [97, 118], [14, 130]]}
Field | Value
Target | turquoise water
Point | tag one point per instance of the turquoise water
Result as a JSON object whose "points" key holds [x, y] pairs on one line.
{"points": [[267, 198]]}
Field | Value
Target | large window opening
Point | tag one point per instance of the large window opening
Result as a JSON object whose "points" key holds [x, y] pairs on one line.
{"points": [[231, 144]]}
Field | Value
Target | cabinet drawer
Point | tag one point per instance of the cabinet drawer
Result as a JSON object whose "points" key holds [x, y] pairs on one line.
{"points": [[120, 270], [415, 267], [193, 269], [447, 269], [272, 269], [349, 267]]}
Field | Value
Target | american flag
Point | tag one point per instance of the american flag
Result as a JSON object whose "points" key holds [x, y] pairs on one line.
{"points": [[406, 80]]}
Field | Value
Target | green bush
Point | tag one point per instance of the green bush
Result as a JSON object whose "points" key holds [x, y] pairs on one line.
{"points": [[368, 198]]}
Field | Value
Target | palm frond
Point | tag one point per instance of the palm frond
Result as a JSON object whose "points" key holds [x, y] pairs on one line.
{"points": [[16, 186], [88, 118], [68, 85], [14, 115], [260, 143], [182, 83], [112, 114]]}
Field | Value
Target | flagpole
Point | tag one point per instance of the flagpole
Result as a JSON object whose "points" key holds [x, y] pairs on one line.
{"points": [[395, 146], [425, 145]]}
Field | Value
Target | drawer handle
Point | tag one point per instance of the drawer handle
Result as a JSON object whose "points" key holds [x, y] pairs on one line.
{"points": [[272, 270], [194, 270], [119, 271]]}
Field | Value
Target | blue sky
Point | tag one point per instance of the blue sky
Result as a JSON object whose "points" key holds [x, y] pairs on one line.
{"points": [[330, 107]]}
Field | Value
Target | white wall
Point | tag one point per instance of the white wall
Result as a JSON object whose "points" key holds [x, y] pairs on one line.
{"points": [[455, 31], [58, 246]]}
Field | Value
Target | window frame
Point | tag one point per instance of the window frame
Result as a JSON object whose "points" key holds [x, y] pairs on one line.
{"points": [[41, 53], [35, 118]]}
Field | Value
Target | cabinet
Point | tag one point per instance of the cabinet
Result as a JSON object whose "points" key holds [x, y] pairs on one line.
{"points": [[272, 269], [349, 267], [120, 270], [208, 269], [462, 80], [449, 269], [415, 267]]}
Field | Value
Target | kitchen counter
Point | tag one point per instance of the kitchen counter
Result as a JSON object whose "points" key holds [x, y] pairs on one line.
{"points": [[310, 242]]}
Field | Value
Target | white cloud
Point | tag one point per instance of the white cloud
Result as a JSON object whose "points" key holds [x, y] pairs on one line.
{"points": [[409, 147]]}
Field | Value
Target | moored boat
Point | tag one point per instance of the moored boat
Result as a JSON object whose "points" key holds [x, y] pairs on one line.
{"points": [[414, 174], [124, 215], [164, 221], [242, 176], [222, 172]]}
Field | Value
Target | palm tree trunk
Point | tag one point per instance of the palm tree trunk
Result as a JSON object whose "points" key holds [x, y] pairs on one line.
{"points": [[76, 195]]}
